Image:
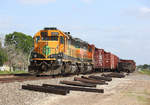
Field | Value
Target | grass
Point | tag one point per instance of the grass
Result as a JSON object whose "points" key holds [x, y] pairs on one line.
{"points": [[12, 72], [142, 97], [147, 72]]}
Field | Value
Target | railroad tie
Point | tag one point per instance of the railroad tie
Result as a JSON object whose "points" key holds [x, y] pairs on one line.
{"points": [[75, 88], [74, 83], [101, 78], [46, 89], [89, 81], [92, 79]]}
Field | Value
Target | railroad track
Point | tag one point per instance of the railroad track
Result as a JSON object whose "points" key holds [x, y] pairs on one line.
{"points": [[7, 78], [20, 74], [21, 79]]}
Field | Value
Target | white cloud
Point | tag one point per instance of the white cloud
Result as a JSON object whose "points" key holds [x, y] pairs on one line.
{"points": [[36, 1], [145, 10], [87, 1]]}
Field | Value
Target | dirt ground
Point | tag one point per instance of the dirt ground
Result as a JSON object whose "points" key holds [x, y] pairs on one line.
{"points": [[131, 90]]}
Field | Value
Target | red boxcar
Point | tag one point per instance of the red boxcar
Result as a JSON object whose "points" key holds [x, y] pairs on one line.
{"points": [[107, 61], [114, 61], [103, 60], [111, 61], [99, 59]]}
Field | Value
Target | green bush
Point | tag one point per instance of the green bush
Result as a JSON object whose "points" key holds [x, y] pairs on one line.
{"points": [[145, 71], [12, 72]]}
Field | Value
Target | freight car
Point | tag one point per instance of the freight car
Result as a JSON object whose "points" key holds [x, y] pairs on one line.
{"points": [[105, 61], [56, 52], [126, 65], [99, 60]]}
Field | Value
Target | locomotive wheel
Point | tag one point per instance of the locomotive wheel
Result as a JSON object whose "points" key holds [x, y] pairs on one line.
{"points": [[63, 70], [85, 69], [68, 68], [76, 70], [44, 67], [34, 70], [90, 68], [81, 68]]}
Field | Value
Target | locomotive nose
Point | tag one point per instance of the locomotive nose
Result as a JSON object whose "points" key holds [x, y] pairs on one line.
{"points": [[46, 50]]}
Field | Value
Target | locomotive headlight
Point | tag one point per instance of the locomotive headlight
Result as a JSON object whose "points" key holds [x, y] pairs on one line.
{"points": [[35, 55], [59, 61]]}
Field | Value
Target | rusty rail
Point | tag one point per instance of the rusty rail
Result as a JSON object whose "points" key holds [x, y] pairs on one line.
{"points": [[89, 81], [101, 78], [115, 75], [45, 89], [92, 79], [75, 88], [77, 84]]}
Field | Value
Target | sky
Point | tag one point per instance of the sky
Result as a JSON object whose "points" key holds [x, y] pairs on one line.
{"points": [[118, 26]]}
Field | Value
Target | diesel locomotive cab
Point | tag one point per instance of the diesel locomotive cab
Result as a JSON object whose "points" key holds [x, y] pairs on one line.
{"points": [[48, 50]]}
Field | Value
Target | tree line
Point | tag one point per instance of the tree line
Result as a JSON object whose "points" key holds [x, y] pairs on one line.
{"points": [[16, 50], [145, 66]]}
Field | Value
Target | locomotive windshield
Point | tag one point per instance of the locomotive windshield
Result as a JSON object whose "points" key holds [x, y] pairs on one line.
{"points": [[54, 38], [46, 38], [50, 38]]}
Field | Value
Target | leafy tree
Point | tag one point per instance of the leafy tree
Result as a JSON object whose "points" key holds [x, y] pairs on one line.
{"points": [[20, 40], [145, 66], [3, 57], [17, 58], [18, 46], [0, 44]]}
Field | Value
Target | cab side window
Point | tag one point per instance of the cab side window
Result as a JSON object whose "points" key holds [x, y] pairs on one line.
{"points": [[90, 49], [61, 39], [37, 39]]}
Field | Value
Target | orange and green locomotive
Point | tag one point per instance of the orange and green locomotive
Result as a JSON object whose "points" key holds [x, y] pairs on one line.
{"points": [[57, 52]]}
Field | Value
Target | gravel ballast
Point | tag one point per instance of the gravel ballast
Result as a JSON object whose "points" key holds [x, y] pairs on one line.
{"points": [[12, 94]]}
